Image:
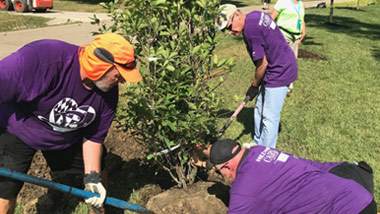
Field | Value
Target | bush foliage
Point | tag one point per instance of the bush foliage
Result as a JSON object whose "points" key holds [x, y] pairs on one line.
{"points": [[175, 103]]}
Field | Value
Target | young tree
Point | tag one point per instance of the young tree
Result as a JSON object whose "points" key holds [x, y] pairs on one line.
{"points": [[174, 104]]}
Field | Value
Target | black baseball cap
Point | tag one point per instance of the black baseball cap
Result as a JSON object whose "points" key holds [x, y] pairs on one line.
{"points": [[221, 152]]}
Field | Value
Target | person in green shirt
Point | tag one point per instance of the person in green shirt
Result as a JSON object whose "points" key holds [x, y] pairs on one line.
{"points": [[289, 16]]}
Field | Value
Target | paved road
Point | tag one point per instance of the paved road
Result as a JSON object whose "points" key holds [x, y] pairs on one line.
{"points": [[75, 33]]}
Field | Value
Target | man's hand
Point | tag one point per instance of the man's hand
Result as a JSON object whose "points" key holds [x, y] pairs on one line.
{"points": [[199, 155], [252, 92], [92, 183]]}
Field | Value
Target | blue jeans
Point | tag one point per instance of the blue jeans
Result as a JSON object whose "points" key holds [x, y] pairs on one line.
{"points": [[268, 108]]}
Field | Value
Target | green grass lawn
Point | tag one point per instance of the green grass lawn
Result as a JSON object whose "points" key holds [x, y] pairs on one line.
{"points": [[11, 22], [81, 6], [334, 111]]}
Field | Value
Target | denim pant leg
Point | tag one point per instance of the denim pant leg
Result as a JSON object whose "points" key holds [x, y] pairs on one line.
{"points": [[268, 108], [258, 126]]}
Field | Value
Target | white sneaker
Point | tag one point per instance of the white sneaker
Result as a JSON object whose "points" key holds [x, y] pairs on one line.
{"points": [[249, 145]]}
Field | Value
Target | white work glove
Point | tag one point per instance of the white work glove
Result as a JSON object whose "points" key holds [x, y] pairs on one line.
{"points": [[92, 183]]}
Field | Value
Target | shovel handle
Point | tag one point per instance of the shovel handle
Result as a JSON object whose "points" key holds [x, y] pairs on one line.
{"points": [[71, 190], [234, 115]]}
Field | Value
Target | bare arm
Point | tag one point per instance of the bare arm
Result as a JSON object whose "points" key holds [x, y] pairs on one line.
{"points": [[274, 14], [92, 153], [261, 66], [303, 30]]}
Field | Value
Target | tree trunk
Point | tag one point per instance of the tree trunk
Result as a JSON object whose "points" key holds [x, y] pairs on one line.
{"points": [[357, 6], [331, 11]]}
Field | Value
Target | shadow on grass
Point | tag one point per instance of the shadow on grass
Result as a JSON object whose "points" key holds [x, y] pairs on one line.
{"points": [[350, 8], [344, 25], [245, 117], [309, 40], [376, 53], [236, 3], [124, 177]]}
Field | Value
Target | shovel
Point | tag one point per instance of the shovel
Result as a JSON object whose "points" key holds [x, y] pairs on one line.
{"points": [[71, 190]]}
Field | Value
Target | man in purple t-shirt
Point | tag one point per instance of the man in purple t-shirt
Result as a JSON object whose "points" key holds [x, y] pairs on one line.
{"points": [[266, 180], [61, 99], [276, 67]]}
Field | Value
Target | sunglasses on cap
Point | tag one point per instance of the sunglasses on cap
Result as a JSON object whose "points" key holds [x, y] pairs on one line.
{"points": [[107, 56]]}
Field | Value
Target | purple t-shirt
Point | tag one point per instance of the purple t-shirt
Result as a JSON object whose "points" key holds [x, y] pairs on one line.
{"points": [[274, 182], [263, 38], [43, 100]]}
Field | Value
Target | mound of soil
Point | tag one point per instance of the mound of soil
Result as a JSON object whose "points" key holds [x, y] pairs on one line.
{"points": [[128, 172], [308, 55], [199, 198]]}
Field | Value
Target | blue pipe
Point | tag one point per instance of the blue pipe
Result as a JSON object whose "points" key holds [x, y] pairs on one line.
{"points": [[71, 190]]}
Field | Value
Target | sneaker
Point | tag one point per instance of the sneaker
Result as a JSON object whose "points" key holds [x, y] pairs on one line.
{"points": [[289, 92], [249, 145]]}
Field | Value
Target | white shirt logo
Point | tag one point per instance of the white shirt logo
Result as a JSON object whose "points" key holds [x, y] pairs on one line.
{"points": [[269, 155], [273, 25], [266, 21], [67, 116], [282, 157]]}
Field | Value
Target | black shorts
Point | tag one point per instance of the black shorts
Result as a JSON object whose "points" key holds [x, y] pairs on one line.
{"points": [[16, 155], [363, 175]]}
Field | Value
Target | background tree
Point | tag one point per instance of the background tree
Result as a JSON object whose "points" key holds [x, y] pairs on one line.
{"points": [[174, 104], [331, 11]]}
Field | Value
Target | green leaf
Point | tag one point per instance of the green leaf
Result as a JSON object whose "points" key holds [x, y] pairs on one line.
{"points": [[104, 5], [158, 2], [154, 20], [201, 3], [196, 49], [164, 33], [171, 125], [192, 105], [215, 59], [170, 68], [169, 143]]}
